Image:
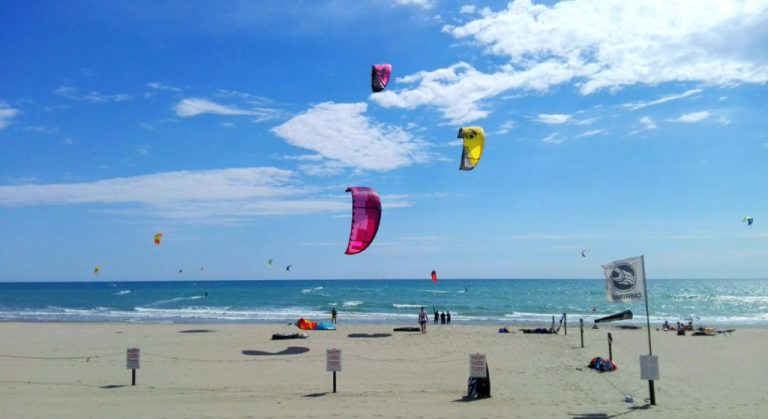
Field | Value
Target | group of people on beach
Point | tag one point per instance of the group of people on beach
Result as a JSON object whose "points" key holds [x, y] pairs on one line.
{"points": [[444, 317]]}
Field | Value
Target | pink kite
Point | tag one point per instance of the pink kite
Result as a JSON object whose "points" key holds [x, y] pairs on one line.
{"points": [[366, 214], [380, 76]]}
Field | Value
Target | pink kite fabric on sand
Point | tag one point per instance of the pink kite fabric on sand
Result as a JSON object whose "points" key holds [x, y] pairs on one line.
{"points": [[366, 215]]}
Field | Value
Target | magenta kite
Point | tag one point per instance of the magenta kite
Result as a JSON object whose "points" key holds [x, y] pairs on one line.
{"points": [[366, 215]]}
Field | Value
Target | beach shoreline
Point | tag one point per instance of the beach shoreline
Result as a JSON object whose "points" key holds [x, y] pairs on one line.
{"points": [[210, 370]]}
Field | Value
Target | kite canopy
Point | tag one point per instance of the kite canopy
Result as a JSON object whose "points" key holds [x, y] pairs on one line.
{"points": [[748, 220], [584, 253], [434, 276], [158, 237], [624, 315], [380, 76], [97, 270], [474, 141], [288, 268], [366, 215]]}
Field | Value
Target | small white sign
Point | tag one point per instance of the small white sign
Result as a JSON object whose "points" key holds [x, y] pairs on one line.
{"points": [[333, 360], [649, 367], [477, 366], [132, 359]]}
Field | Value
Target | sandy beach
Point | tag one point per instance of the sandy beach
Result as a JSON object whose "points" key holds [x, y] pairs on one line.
{"points": [[77, 370]]}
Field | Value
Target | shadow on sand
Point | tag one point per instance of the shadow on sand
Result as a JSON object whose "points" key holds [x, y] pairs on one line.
{"points": [[291, 350], [197, 331], [369, 335], [606, 416]]}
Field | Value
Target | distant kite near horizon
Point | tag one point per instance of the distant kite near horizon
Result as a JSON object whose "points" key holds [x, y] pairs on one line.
{"points": [[288, 268], [584, 253], [366, 216], [474, 141], [158, 237], [97, 270], [748, 220], [380, 74], [269, 263], [434, 276]]}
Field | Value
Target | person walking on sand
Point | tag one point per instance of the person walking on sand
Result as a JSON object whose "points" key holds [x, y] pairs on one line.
{"points": [[333, 315], [423, 320]]}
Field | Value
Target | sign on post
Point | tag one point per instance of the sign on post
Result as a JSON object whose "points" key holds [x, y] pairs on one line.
{"points": [[477, 367], [132, 359], [333, 360], [649, 367]]}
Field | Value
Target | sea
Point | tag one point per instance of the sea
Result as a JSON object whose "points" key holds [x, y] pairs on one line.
{"points": [[706, 302]]}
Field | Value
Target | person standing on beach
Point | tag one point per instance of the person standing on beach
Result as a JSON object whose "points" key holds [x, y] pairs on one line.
{"points": [[448, 317], [333, 315], [437, 315], [423, 320]]}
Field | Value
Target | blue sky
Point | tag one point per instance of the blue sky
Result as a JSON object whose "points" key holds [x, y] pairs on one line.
{"points": [[234, 128]]}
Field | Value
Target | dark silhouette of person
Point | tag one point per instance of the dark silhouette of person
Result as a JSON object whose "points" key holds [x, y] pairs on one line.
{"points": [[448, 317], [437, 315], [442, 318], [333, 315]]}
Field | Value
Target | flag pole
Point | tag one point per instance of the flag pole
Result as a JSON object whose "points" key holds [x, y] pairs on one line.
{"points": [[648, 323]]}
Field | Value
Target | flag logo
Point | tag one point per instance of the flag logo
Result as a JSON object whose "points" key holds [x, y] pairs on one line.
{"points": [[623, 277]]}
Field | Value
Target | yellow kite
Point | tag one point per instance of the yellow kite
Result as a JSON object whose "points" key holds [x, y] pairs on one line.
{"points": [[474, 140]]}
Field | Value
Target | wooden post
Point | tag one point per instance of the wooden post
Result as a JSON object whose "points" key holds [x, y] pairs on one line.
{"points": [[133, 377], [581, 327], [334, 381], [565, 323], [610, 349]]}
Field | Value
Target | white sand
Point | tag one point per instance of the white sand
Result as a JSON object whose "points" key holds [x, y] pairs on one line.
{"points": [[404, 375]]}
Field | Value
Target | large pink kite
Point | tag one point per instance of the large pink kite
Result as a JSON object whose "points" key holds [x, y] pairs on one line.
{"points": [[366, 214]]}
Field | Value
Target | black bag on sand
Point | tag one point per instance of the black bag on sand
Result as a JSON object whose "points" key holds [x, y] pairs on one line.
{"points": [[479, 388]]}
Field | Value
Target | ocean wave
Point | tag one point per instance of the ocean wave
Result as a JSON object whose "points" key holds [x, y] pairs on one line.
{"points": [[352, 303], [174, 300], [123, 292], [407, 305]]}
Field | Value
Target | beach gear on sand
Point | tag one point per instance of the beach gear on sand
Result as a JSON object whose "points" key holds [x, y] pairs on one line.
{"points": [[283, 336], [479, 388], [540, 331], [406, 329], [310, 325], [623, 315], [602, 365]]}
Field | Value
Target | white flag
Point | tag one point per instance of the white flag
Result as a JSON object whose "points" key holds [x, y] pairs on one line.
{"points": [[625, 279]]}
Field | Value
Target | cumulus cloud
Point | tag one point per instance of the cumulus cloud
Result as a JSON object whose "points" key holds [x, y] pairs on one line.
{"points": [[191, 107], [505, 127], [647, 123], [692, 117], [597, 45], [163, 87], [73, 93], [7, 113], [346, 138], [553, 118]]}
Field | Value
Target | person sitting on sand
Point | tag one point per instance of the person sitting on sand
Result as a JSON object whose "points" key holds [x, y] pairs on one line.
{"points": [[423, 320], [666, 326]]}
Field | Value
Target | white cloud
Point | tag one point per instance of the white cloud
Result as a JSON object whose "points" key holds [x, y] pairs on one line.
{"points": [[692, 117], [640, 105], [586, 121], [647, 123], [468, 9], [342, 134], [190, 107], [425, 4], [597, 45], [43, 129], [590, 133], [552, 139], [161, 86], [505, 127], [553, 118], [7, 113], [223, 195], [72, 93]]}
